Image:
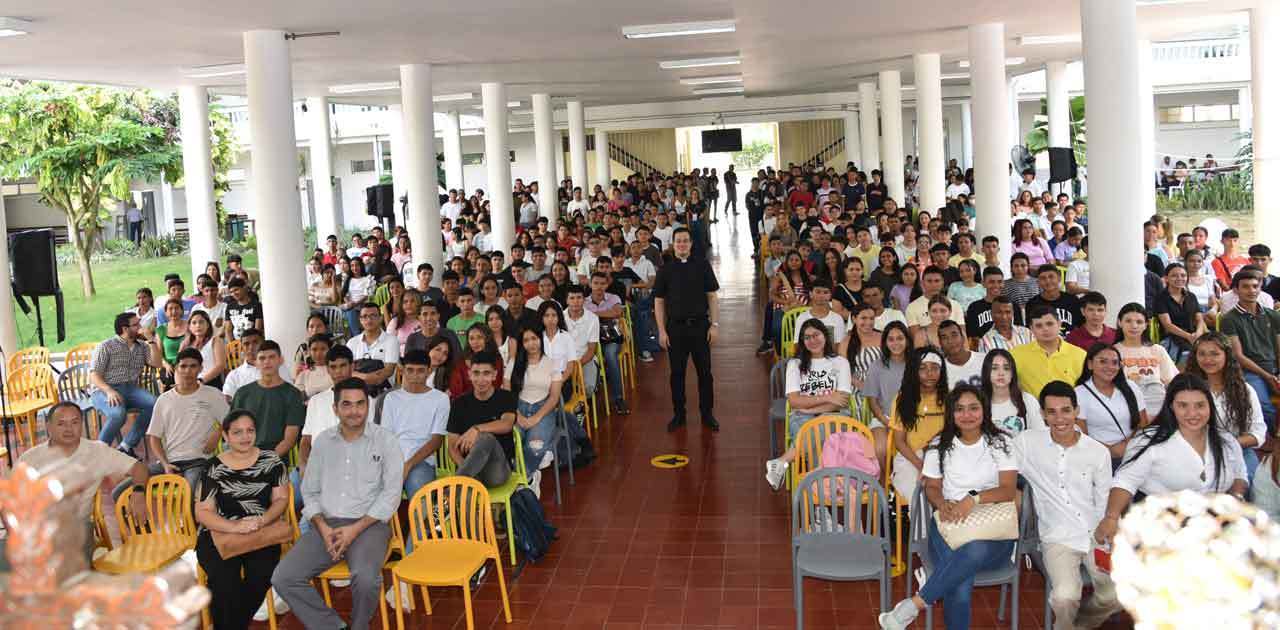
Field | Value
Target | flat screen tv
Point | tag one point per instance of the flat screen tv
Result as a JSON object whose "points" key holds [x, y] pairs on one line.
{"points": [[721, 140]]}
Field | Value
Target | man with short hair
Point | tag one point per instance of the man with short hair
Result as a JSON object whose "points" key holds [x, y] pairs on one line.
{"points": [[963, 365], [1095, 328], [1230, 261], [374, 344], [114, 376], [1005, 332], [873, 296], [185, 423], [467, 314], [211, 304], [577, 204], [1260, 257], [820, 309], [425, 272], [452, 208], [418, 416], [1068, 307], [1048, 357], [991, 254], [278, 407], [932, 282], [965, 251], [243, 312], [174, 291], [584, 330], [1071, 475], [1255, 332], [351, 491], [480, 425], [1077, 279], [687, 310]]}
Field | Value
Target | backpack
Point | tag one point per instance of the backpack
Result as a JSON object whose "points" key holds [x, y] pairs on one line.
{"points": [[532, 531], [850, 449]]}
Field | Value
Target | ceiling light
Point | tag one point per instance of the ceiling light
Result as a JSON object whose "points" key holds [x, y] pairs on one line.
{"points": [[678, 29], [720, 90], [219, 70], [11, 26], [1011, 61], [676, 64], [356, 88], [1042, 40], [444, 98], [509, 104], [954, 75], [720, 78]]}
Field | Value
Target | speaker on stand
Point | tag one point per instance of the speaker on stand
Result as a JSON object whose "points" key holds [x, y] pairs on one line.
{"points": [[33, 254], [380, 201]]}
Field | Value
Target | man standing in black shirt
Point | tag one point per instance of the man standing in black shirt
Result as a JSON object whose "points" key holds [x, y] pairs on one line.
{"points": [[687, 310], [755, 213], [731, 190]]}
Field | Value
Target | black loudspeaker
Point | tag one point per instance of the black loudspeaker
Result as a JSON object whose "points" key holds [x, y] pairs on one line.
{"points": [[1062, 164], [380, 201], [35, 262]]}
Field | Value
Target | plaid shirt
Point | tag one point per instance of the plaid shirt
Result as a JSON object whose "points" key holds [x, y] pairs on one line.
{"points": [[119, 363]]}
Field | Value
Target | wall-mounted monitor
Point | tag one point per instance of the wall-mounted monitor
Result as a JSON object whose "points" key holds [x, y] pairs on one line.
{"points": [[721, 140]]}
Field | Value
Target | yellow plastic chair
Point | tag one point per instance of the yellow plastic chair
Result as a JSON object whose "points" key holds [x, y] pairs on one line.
{"points": [[578, 397], [235, 354], [788, 335], [1153, 331], [452, 529], [603, 380], [812, 437], [36, 355], [81, 354], [498, 495], [902, 503], [627, 355], [101, 535], [30, 389], [169, 532], [340, 571], [290, 513]]}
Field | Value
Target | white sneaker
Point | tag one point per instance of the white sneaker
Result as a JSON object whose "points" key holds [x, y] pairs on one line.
{"points": [[547, 459], [339, 583], [900, 617], [262, 613], [646, 356], [535, 483], [406, 597], [775, 470], [282, 608]]}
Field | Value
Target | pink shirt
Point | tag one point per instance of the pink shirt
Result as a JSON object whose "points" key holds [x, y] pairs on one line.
{"points": [[1036, 254]]}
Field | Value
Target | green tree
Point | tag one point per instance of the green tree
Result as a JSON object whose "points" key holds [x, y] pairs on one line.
{"points": [[1037, 139], [84, 146], [752, 156]]}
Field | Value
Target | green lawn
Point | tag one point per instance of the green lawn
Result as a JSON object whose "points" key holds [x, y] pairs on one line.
{"points": [[117, 281]]}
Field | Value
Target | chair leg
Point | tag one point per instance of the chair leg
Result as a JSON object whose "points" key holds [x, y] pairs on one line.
{"points": [[555, 470], [511, 531], [395, 588], [798, 596], [1004, 588], [271, 609], [568, 452], [466, 602], [324, 588], [502, 588], [426, 599], [382, 607], [1048, 610]]}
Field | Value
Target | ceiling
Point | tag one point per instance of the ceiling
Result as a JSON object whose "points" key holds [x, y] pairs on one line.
{"points": [[564, 47]]}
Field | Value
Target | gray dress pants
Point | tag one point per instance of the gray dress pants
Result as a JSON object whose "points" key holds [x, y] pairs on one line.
{"points": [[486, 462], [309, 558]]}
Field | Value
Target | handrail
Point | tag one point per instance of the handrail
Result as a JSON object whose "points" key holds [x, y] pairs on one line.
{"points": [[625, 158], [826, 152]]}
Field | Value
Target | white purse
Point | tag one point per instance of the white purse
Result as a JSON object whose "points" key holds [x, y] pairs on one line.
{"points": [[987, 521]]}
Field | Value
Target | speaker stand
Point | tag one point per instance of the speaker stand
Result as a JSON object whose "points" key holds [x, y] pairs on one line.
{"points": [[35, 299]]}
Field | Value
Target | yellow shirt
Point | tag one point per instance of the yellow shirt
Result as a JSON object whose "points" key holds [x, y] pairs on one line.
{"points": [[975, 257], [929, 421], [1036, 368]]}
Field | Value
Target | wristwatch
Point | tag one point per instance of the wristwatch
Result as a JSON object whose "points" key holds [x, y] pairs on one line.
{"points": [[977, 498], [716, 324]]}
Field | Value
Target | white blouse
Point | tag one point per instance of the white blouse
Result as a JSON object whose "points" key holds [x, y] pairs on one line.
{"points": [[1174, 465], [1257, 425]]}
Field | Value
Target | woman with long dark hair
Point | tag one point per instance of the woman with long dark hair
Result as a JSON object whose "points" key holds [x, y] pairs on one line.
{"points": [[885, 275], [969, 463], [1238, 407], [1184, 449], [556, 341], [202, 336], [1145, 363], [536, 380], [907, 289], [1025, 241], [446, 374], [884, 379], [1110, 406], [1012, 409], [917, 415], [847, 287]]}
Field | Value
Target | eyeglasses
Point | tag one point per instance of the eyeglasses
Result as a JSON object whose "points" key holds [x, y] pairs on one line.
{"points": [[815, 337]]}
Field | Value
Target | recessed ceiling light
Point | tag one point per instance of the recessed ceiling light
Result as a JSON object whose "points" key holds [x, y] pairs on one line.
{"points": [[509, 104], [954, 75], [356, 88], [1011, 61], [720, 90], [676, 64], [12, 26], [460, 96], [678, 29], [219, 70], [1042, 40], [720, 78]]}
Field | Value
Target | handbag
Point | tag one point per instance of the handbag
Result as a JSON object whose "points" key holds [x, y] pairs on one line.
{"points": [[987, 521], [609, 333], [230, 545]]}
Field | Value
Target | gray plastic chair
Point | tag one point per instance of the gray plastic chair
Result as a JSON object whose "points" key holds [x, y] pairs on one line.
{"points": [[73, 386], [1035, 559], [562, 437], [336, 321], [836, 539], [1007, 576], [777, 402]]}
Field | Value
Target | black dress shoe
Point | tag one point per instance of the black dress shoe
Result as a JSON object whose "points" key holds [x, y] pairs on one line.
{"points": [[675, 423], [710, 423]]}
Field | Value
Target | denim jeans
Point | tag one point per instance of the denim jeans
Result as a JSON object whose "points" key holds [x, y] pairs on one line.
{"points": [[613, 371], [954, 570], [134, 397], [353, 321], [1176, 352], [643, 328], [1264, 396], [541, 438], [589, 377], [420, 475], [295, 478], [1250, 463]]}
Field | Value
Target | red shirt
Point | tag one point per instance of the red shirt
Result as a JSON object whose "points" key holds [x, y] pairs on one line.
{"points": [[329, 259], [1225, 267], [1081, 338], [798, 197]]}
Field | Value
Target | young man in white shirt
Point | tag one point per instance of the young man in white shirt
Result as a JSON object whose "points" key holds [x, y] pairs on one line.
{"points": [[932, 282], [419, 417], [587, 259], [820, 309], [375, 343], [183, 430], [577, 204], [957, 187], [1078, 271], [584, 330], [1070, 475], [451, 208], [963, 365], [642, 304]]}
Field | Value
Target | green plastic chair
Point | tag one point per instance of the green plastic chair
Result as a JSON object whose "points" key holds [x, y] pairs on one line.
{"points": [[788, 337], [499, 494]]}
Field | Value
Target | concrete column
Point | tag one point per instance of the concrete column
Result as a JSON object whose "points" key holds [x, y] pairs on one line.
{"points": [[966, 135], [273, 188], [990, 132], [453, 177], [1059, 106], [167, 225], [197, 169], [1116, 175], [891, 150], [1014, 121], [8, 322], [1264, 27], [557, 140], [1146, 130], [546, 148], [578, 147], [852, 139], [1244, 101], [418, 164], [394, 117], [603, 176], [319, 137], [498, 164], [869, 123], [933, 155]]}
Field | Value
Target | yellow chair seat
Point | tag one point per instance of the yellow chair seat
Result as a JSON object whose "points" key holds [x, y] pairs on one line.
{"points": [[443, 562], [143, 553]]}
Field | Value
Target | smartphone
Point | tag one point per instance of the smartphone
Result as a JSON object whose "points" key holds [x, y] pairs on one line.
{"points": [[1102, 558]]}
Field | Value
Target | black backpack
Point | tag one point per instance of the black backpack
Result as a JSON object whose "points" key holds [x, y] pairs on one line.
{"points": [[532, 531]]}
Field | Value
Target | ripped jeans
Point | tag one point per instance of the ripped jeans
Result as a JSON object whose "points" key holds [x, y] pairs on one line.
{"points": [[540, 439]]}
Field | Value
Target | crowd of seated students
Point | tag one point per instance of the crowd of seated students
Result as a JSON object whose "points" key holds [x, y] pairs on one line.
{"points": [[982, 369]]}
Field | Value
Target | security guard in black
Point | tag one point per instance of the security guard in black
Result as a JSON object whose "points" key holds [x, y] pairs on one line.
{"points": [[687, 313]]}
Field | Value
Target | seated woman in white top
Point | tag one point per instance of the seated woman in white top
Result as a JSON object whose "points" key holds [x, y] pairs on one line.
{"points": [[1182, 450], [556, 340], [1012, 410], [1109, 403], [969, 463], [1238, 407], [1144, 363], [536, 380], [818, 382]]}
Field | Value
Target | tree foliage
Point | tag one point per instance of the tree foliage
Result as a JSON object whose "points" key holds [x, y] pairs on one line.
{"points": [[1037, 139], [752, 156]]}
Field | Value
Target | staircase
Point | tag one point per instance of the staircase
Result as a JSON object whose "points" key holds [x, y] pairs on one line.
{"points": [[826, 153], [625, 158]]}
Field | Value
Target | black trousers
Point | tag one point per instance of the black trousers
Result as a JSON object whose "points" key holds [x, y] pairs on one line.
{"points": [[731, 198], [754, 217], [689, 338], [238, 585]]}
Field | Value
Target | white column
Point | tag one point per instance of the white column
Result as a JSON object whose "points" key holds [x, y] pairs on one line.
{"points": [[8, 322], [869, 121], [891, 151], [319, 137], [1146, 130], [990, 132], [197, 169], [273, 188], [546, 149], [557, 140], [1116, 177], [1059, 105], [453, 178], [1015, 122], [394, 120], [1264, 27], [578, 147], [418, 164], [498, 164], [933, 156], [602, 159], [966, 135], [167, 223], [852, 139], [1244, 101]]}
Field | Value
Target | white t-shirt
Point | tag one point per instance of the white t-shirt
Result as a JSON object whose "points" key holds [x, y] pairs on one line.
{"points": [[970, 372], [663, 235], [1078, 272], [246, 374], [825, 375], [584, 331], [217, 313], [642, 268], [451, 210], [955, 190], [577, 206], [538, 378], [1102, 426], [968, 467], [835, 324], [415, 418], [183, 423], [320, 414], [1005, 415], [883, 319], [1174, 465], [386, 348], [560, 348], [358, 289]]}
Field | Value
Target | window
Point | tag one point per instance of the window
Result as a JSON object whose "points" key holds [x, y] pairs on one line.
{"points": [[363, 166], [1213, 113], [1199, 113]]}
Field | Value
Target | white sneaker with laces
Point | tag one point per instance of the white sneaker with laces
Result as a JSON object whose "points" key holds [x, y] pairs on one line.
{"points": [[900, 617], [547, 458], [775, 470], [535, 483], [406, 597], [282, 608]]}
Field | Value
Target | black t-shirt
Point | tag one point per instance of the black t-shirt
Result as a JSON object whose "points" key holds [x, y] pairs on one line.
{"points": [[1271, 286], [467, 411], [1181, 315], [528, 320], [243, 316], [978, 320], [852, 194], [683, 286], [1068, 308], [876, 194], [848, 299]]}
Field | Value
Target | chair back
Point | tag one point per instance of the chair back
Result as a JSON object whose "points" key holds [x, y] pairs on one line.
{"points": [[454, 508], [32, 382], [73, 384], [168, 509], [101, 535], [778, 380], [36, 355], [235, 354], [151, 380], [820, 509], [336, 321], [787, 340], [81, 354], [814, 434], [577, 388], [444, 464]]}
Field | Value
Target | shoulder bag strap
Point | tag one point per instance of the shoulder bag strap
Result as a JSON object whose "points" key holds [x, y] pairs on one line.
{"points": [[1102, 402]]}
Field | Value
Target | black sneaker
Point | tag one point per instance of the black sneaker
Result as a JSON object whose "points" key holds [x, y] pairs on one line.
{"points": [[675, 423], [478, 578], [710, 423], [764, 348], [621, 409]]}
